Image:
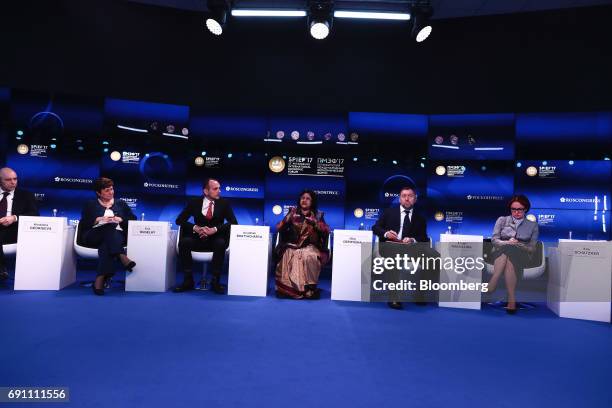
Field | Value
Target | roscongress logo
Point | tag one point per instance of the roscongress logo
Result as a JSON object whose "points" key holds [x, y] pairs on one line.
{"points": [[161, 185], [579, 200], [115, 156], [277, 210], [484, 197], [358, 213], [439, 216], [73, 180], [531, 171], [242, 189], [199, 161], [391, 195], [276, 164], [440, 170]]}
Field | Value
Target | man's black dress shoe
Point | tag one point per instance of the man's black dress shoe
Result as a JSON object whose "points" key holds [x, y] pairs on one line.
{"points": [[217, 287], [185, 287], [395, 305]]}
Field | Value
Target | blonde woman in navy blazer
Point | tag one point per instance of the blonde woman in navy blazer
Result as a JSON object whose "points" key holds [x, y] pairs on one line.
{"points": [[514, 240]]}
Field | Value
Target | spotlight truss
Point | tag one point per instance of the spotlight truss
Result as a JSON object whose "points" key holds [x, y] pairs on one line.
{"points": [[321, 13]]}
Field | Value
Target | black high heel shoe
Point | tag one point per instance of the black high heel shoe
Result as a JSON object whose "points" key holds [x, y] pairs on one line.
{"points": [[511, 311], [127, 263], [96, 291]]}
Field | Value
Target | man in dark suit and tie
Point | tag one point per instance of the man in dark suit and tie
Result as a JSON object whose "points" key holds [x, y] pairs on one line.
{"points": [[398, 230], [14, 203], [213, 217]]}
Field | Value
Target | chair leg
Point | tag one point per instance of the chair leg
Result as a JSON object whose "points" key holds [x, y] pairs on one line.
{"points": [[203, 285]]}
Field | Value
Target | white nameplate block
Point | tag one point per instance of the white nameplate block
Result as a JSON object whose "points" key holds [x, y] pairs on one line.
{"points": [[580, 280], [351, 265], [248, 262], [460, 247], [151, 246], [45, 258]]}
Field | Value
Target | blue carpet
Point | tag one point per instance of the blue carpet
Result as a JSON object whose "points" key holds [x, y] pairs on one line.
{"points": [[205, 350]]}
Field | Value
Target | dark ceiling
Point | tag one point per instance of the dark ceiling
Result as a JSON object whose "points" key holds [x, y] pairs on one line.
{"points": [[442, 8]]}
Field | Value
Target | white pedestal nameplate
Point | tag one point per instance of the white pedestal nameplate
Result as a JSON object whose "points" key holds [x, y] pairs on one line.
{"points": [[580, 280], [45, 258], [456, 246], [151, 246], [248, 263], [351, 265]]}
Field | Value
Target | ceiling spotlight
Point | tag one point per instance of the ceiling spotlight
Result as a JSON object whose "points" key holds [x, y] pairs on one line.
{"points": [[320, 18], [421, 28], [319, 30], [217, 15]]}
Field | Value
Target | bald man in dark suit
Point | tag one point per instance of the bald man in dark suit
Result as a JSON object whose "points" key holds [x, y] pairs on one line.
{"points": [[14, 202]]}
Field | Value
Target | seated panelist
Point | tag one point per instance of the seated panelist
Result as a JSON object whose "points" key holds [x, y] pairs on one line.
{"points": [[103, 225], [14, 202], [514, 240], [210, 231]]}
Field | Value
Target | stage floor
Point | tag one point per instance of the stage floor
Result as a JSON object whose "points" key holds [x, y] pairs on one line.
{"points": [[202, 349]]}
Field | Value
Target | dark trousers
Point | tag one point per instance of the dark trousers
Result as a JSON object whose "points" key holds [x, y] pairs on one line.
{"points": [[109, 242], [418, 250], [215, 244], [8, 235]]}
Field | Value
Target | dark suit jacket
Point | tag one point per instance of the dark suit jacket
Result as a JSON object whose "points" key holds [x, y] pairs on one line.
{"points": [[93, 210], [223, 216], [23, 204], [390, 220]]}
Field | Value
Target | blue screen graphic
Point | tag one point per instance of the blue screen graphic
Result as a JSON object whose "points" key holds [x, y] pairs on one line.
{"points": [[44, 167], [142, 171], [565, 185], [471, 137], [470, 181]]}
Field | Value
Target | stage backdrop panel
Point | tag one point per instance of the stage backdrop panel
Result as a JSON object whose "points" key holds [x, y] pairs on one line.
{"points": [[565, 185], [220, 128], [68, 202], [52, 166], [57, 115], [583, 224], [463, 218], [289, 175], [241, 174], [478, 182], [309, 129], [584, 135], [472, 137], [5, 97], [137, 169], [141, 119], [396, 132], [374, 186]]}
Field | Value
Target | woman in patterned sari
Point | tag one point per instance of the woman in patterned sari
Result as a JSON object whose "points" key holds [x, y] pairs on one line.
{"points": [[302, 249]]}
